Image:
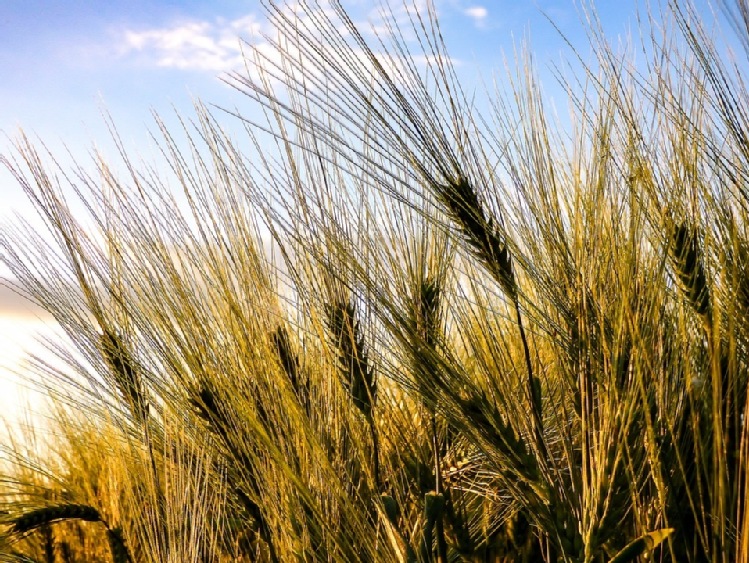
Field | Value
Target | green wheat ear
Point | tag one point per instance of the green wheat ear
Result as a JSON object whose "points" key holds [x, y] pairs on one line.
{"points": [[690, 268]]}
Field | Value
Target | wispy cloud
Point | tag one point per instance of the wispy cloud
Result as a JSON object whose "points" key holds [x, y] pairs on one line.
{"points": [[215, 46], [478, 14], [212, 46]]}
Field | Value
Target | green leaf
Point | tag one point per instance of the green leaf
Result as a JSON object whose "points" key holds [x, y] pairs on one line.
{"points": [[641, 545]]}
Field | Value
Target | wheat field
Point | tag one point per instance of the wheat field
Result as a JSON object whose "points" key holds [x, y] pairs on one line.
{"points": [[385, 327]]}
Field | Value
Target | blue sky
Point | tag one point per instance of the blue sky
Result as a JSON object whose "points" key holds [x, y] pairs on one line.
{"points": [[62, 62]]}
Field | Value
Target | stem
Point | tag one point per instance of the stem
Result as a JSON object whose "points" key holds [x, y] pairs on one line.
{"points": [[437, 464], [441, 543], [375, 450], [535, 397]]}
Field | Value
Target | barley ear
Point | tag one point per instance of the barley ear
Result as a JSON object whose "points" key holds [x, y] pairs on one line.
{"points": [[494, 431], [207, 407], [426, 315], [37, 518], [125, 373], [291, 366], [641, 546], [391, 508], [117, 546], [434, 505], [424, 334], [480, 231], [210, 409], [356, 375], [689, 264], [387, 509]]}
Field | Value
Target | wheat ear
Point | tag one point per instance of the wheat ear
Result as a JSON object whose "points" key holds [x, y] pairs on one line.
{"points": [[481, 231], [690, 268], [42, 517], [125, 373], [357, 375]]}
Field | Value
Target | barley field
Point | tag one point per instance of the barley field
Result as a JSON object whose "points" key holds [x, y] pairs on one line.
{"points": [[385, 326]]}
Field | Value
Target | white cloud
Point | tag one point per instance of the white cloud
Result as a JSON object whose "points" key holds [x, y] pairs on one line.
{"points": [[198, 45], [477, 13], [215, 46]]}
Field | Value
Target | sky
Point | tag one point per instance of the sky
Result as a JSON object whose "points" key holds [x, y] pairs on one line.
{"points": [[64, 63]]}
